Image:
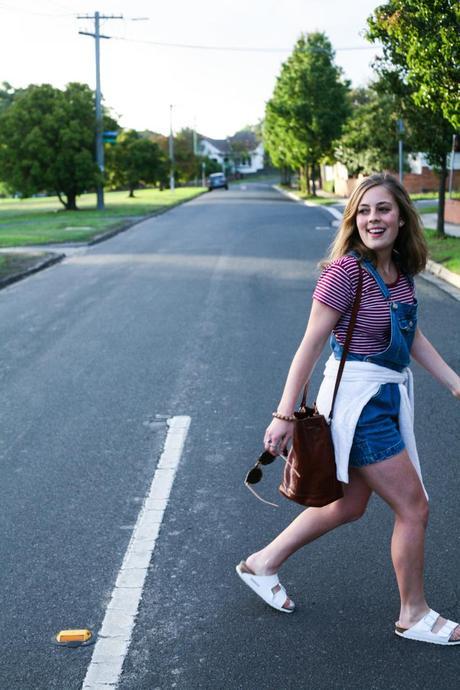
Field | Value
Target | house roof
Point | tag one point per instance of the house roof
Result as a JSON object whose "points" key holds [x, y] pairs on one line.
{"points": [[248, 139], [221, 145], [245, 138]]}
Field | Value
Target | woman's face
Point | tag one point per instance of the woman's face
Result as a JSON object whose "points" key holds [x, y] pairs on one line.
{"points": [[377, 219]]}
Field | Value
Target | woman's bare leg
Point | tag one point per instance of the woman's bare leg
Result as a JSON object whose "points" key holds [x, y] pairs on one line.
{"points": [[311, 524], [397, 482]]}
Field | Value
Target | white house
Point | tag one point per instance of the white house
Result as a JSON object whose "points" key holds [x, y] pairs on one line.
{"points": [[241, 153]]}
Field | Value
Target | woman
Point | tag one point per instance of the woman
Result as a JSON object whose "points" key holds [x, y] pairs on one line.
{"points": [[373, 451]]}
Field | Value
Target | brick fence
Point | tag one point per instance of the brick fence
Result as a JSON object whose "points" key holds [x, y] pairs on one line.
{"points": [[427, 181], [452, 211]]}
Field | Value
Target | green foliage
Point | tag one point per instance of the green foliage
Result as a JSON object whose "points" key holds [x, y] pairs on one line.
{"points": [[7, 95], [421, 44], [308, 107], [421, 67], [42, 220], [47, 141], [369, 142], [134, 160], [187, 164]]}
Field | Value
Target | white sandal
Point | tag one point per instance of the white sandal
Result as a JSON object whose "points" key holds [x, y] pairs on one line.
{"points": [[268, 587], [423, 630]]}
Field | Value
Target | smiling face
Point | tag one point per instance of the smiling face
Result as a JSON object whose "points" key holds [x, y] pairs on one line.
{"points": [[378, 219]]}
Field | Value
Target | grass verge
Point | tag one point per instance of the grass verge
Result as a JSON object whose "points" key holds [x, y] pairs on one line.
{"points": [[432, 195], [320, 200], [444, 250], [11, 264], [427, 209], [44, 221]]}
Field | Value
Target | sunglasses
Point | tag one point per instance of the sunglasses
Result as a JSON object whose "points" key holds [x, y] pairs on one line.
{"points": [[255, 473]]}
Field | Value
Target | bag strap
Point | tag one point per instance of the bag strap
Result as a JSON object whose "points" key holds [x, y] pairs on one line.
{"points": [[346, 346]]}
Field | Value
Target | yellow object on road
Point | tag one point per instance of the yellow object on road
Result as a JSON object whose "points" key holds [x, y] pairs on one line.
{"points": [[74, 635]]}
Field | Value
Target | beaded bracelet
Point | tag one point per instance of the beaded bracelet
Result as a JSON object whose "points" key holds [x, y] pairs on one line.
{"points": [[284, 417]]}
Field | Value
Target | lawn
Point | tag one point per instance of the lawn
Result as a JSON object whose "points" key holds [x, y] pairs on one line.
{"points": [[444, 250], [43, 220], [321, 200], [428, 209], [16, 262], [432, 195]]}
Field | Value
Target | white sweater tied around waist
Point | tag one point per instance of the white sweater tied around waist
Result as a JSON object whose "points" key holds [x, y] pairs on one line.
{"points": [[360, 382]]}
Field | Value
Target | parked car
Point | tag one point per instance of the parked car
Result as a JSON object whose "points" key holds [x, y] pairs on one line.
{"points": [[216, 181]]}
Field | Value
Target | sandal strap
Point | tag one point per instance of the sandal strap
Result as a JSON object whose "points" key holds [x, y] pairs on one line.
{"points": [[426, 623], [280, 596], [264, 580], [447, 629]]}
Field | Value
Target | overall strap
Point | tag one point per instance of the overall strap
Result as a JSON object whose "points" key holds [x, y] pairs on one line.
{"points": [[370, 268], [346, 347]]}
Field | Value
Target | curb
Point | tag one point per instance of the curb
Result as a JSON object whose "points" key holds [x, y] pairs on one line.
{"points": [[56, 257], [111, 233], [50, 260], [437, 270]]}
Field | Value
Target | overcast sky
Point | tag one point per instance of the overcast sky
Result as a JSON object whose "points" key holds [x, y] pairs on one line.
{"points": [[215, 91]]}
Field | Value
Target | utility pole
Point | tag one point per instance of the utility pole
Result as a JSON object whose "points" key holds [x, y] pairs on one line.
{"points": [[99, 122], [455, 149], [171, 150], [400, 128], [195, 149]]}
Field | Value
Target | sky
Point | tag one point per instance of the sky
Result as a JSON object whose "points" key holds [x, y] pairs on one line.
{"points": [[216, 92]]}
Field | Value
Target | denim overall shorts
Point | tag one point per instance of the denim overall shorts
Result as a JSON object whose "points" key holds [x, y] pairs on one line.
{"points": [[377, 434]]}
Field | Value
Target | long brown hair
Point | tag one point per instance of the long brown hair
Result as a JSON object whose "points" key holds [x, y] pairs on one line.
{"points": [[410, 246]]}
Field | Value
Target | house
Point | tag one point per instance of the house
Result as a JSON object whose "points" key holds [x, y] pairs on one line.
{"points": [[241, 153], [421, 177]]}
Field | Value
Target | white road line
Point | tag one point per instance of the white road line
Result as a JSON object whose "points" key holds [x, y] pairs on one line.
{"points": [[333, 211], [115, 634]]}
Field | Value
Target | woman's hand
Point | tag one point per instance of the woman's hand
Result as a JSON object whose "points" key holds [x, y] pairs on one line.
{"points": [[277, 436]]}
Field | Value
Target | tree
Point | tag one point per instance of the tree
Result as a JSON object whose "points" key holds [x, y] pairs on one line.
{"points": [[432, 134], [369, 142], [7, 95], [425, 91], [421, 40], [134, 160], [47, 142], [188, 164], [308, 108]]}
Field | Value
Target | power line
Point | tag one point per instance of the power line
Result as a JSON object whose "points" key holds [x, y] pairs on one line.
{"points": [[227, 48]]}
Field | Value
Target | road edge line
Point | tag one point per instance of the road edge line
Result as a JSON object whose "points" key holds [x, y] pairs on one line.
{"points": [[114, 637]]}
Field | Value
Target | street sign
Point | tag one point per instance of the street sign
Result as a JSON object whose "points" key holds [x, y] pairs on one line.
{"points": [[109, 137]]}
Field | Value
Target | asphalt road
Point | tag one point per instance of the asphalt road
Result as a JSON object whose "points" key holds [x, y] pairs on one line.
{"points": [[197, 312]]}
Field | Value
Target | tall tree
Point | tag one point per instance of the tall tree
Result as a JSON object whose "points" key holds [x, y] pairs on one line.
{"points": [[7, 94], [422, 68], [420, 39], [369, 142], [133, 160], [47, 141], [188, 164], [308, 108]]}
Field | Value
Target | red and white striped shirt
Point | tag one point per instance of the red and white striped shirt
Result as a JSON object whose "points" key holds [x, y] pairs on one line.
{"points": [[337, 286]]}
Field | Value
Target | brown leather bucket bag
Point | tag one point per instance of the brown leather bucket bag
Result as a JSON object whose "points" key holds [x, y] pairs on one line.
{"points": [[310, 475]]}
